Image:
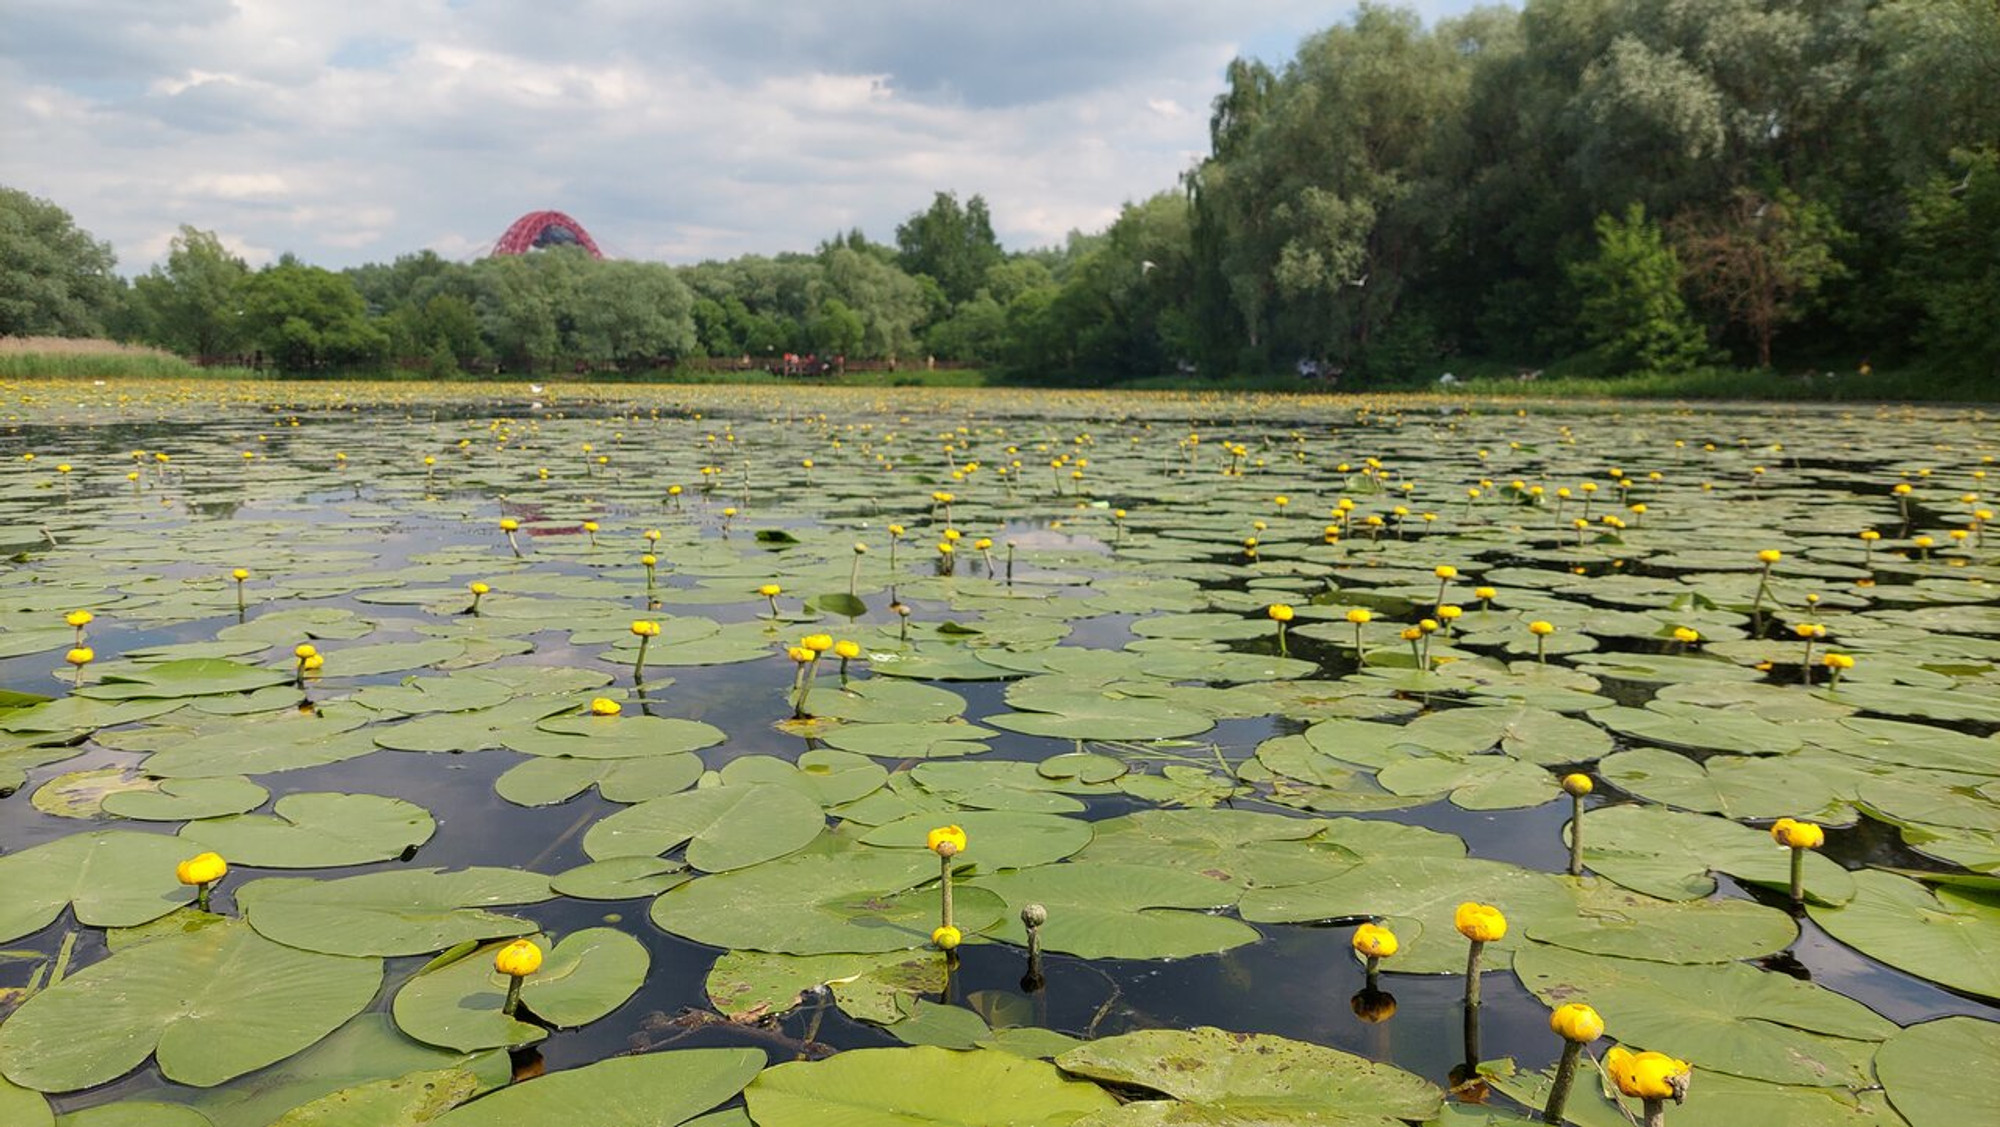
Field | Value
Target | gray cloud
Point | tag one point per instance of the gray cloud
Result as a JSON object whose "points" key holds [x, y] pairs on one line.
{"points": [[357, 131]]}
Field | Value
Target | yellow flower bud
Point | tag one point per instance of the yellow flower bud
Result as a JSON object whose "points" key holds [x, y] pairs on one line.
{"points": [[304, 650], [202, 868], [846, 650], [80, 656], [1360, 616], [1687, 634], [1770, 556], [1576, 1022], [478, 588], [1648, 1075], [1797, 835], [1374, 941], [1577, 784], [605, 706], [240, 574], [947, 938], [1481, 923], [1279, 612], [1484, 592], [509, 524], [770, 590], [817, 643], [79, 618], [945, 840], [1445, 571], [519, 959], [1541, 629], [643, 629]]}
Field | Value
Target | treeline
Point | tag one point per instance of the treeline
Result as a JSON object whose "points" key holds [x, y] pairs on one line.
{"points": [[1596, 185]]}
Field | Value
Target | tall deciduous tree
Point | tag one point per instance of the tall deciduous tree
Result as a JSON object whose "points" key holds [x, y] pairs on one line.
{"points": [[1629, 293], [1760, 259], [193, 302], [952, 244], [55, 279]]}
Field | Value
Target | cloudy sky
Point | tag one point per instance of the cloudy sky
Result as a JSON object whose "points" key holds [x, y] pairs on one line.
{"points": [[357, 130]]}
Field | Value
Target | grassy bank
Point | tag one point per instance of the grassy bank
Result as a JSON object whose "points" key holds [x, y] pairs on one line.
{"points": [[1901, 385], [65, 358]]}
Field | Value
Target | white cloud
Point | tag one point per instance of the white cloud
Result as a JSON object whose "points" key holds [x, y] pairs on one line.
{"points": [[357, 131]]}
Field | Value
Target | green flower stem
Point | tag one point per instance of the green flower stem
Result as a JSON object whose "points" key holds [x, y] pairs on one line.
{"points": [[201, 896], [1576, 835], [944, 885], [1472, 974], [1656, 1113], [1798, 876], [1552, 1112], [513, 1001], [639, 664]]}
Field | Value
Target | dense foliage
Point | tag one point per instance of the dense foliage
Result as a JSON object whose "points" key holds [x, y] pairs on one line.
{"points": [[1609, 186]]}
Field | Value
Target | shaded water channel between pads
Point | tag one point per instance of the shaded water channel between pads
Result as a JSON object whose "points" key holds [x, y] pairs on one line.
{"points": [[1297, 982]]}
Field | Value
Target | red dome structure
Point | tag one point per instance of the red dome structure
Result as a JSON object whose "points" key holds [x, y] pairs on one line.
{"points": [[545, 229]]}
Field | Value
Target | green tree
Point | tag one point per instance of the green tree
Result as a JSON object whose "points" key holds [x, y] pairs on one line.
{"points": [[630, 310], [1760, 259], [836, 329], [307, 318], [193, 302], [951, 244], [1632, 314], [1952, 272], [55, 279]]}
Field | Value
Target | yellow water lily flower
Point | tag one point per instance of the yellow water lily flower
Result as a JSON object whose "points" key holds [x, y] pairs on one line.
{"points": [[202, 868], [1576, 1022], [945, 836], [1481, 923], [1648, 1075], [1375, 941]]}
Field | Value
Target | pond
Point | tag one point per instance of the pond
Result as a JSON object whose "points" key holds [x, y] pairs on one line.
{"points": [[1051, 619]]}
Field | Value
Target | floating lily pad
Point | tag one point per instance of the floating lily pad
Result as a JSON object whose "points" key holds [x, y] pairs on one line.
{"points": [[413, 912], [654, 1090], [112, 879], [744, 985], [1945, 934], [456, 1005], [1924, 1069], [855, 900], [723, 827], [312, 831], [921, 1087], [1725, 1017], [214, 1004], [1219, 1077]]}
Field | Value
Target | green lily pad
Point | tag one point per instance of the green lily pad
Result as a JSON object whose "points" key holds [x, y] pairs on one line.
{"points": [[179, 800], [1734, 786], [921, 1087], [545, 781], [313, 831], [723, 827], [661, 1089], [112, 879], [132, 1113], [413, 912], [613, 737], [168, 680], [413, 1099], [1669, 854], [854, 900], [621, 878], [1112, 910], [213, 1005], [751, 985], [456, 1004], [1220, 1077], [1947, 935], [1725, 1017], [1613, 921], [1419, 896], [1925, 1068], [996, 839]]}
